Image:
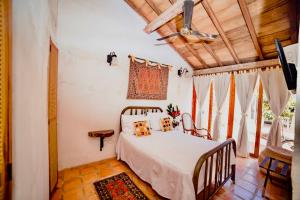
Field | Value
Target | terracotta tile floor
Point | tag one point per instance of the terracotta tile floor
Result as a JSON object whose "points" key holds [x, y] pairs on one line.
{"points": [[77, 183]]}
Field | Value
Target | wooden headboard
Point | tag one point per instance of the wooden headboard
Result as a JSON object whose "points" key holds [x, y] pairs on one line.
{"points": [[138, 110]]}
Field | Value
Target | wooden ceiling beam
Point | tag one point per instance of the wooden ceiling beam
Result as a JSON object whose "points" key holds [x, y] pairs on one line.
{"points": [[238, 67], [212, 53], [188, 46], [159, 32], [250, 26], [206, 46], [219, 28], [167, 15]]}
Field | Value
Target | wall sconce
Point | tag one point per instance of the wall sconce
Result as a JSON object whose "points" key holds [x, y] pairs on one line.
{"points": [[112, 59], [182, 71]]}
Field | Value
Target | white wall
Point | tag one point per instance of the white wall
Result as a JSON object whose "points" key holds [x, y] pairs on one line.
{"points": [[91, 93], [30, 127], [291, 53]]}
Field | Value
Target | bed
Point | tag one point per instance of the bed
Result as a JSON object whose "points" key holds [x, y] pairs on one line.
{"points": [[177, 165]]}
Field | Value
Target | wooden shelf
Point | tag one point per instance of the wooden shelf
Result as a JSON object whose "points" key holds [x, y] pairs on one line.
{"points": [[101, 134]]}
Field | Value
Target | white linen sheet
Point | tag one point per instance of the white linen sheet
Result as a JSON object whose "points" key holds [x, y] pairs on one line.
{"points": [[166, 160]]}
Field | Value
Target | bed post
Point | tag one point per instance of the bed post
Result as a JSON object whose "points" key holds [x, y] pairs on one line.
{"points": [[220, 175], [233, 173], [233, 167]]}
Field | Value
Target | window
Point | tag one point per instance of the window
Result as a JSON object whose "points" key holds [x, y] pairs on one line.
{"points": [[288, 122]]}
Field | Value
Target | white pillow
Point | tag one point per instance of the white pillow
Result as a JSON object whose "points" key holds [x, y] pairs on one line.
{"points": [[154, 119], [128, 120]]}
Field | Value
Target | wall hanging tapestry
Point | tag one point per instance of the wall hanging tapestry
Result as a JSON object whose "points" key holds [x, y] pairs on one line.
{"points": [[147, 81], [118, 187]]}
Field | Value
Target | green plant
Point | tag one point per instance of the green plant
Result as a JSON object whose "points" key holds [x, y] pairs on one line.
{"points": [[172, 111], [267, 113], [289, 110], [287, 113]]}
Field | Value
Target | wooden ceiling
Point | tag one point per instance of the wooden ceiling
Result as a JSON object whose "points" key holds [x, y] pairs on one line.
{"points": [[246, 29]]}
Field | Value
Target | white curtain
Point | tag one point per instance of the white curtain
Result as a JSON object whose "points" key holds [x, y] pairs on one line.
{"points": [[245, 85], [221, 85], [278, 95], [201, 86]]}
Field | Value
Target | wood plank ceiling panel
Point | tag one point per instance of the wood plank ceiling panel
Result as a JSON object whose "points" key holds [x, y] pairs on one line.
{"points": [[250, 26], [271, 20], [160, 6], [233, 23], [215, 60], [206, 55], [193, 60], [218, 26], [243, 44], [145, 11], [203, 23], [246, 29], [211, 58], [268, 20], [294, 13]]}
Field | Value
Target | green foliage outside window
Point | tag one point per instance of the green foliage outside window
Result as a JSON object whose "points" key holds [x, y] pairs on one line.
{"points": [[288, 112]]}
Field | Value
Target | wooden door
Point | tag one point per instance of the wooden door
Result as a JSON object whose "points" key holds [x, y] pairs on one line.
{"points": [[52, 116], [5, 99]]}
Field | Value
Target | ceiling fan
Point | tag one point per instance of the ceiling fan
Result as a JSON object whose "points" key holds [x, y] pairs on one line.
{"points": [[186, 30]]}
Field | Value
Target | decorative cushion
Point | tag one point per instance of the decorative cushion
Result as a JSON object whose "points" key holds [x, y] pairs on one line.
{"points": [[128, 120], [154, 120], [166, 124], [141, 128]]}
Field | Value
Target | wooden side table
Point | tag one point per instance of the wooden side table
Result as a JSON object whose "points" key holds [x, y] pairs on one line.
{"points": [[101, 134]]}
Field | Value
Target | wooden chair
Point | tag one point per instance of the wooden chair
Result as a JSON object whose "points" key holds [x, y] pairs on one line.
{"points": [[190, 127], [277, 163]]}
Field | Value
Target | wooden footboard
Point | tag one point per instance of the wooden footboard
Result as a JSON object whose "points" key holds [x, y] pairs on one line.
{"points": [[218, 169]]}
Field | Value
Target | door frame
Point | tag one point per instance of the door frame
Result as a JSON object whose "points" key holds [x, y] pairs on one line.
{"points": [[7, 138], [10, 129], [52, 46]]}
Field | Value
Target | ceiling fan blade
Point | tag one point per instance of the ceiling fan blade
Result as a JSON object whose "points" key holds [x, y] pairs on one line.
{"points": [[167, 15], [178, 45], [205, 36], [168, 36], [161, 44], [188, 13]]}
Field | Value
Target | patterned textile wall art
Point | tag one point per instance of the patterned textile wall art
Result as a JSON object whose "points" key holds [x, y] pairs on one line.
{"points": [[147, 81]]}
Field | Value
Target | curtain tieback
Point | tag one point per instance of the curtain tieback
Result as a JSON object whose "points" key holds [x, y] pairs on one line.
{"points": [[277, 117], [245, 114]]}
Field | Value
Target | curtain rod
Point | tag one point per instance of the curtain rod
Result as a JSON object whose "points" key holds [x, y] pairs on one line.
{"points": [[130, 56], [238, 67]]}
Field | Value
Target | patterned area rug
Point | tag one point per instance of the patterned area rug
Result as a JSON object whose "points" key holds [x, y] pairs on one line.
{"points": [[118, 187]]}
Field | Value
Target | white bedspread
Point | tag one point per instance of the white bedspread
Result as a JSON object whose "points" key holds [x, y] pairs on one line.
{"points": [[166, 160]]}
